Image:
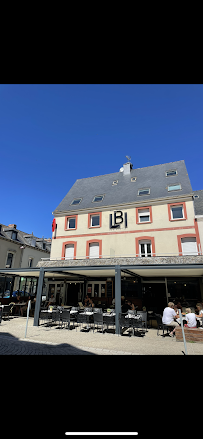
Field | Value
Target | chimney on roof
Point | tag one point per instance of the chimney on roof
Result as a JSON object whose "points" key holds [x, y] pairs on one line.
{"points": [[13, 226], [127, 168]]}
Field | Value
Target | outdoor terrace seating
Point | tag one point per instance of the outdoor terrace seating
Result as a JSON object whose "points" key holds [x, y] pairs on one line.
{"points": [[93, 318]]}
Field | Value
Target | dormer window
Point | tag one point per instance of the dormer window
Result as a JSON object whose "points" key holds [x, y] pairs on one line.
{"points": [[144, 191], [14, 235], [76, 201], [133, 179], [115, 182], [174, 187], [171, 172], [98, 198]]}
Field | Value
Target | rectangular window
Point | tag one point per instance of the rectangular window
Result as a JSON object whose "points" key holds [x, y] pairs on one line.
{"points": [[9, 260], [171, 172], [76, 201], [30, 262], [71, 223], [189, 246], [14, 235], [177, 212], [69, 252], [95, 220], [144, 215], [174, 187], [94, 250], [145, 249], [145, 191]]}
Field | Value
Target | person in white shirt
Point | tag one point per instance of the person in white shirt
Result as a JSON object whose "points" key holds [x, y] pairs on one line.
{"points": [[200, 315], [191, 319], [168, 317]]}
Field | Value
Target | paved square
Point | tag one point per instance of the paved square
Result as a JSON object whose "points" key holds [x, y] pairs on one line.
{"points": [[42, 340]]}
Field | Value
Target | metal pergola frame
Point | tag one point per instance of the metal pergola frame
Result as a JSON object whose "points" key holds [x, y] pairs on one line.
{"points": [[127, 270]]}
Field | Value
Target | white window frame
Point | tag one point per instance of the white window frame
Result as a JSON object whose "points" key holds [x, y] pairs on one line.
{"points": [[115, 182], [91, 220], [175, 184], [145, 242], [179, 205], [143, 189], [142, 212], [71, 228]]}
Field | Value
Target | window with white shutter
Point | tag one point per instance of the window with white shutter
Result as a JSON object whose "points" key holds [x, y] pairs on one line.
{"points": [[144, 215], [189, 246], [94, 250], [69, 253]]}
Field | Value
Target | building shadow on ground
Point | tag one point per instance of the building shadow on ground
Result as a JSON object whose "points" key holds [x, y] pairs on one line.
{"points": [[11, 345]]}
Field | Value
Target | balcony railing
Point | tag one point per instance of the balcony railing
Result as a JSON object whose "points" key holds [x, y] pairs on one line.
{"points": [[127, 255]]}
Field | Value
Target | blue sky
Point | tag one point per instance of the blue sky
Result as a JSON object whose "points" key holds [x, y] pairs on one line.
{"points": [[50, 135]]}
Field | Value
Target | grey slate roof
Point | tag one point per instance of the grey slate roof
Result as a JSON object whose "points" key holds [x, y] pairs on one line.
{"points": [[198, 202], [125, 191], [6, 232]]}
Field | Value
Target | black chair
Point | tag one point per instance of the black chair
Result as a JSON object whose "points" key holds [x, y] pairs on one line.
{"points": [[132, 311], [45, 316], [136, 323], [82, 318], [109, 321], [123, 321], [75, 308], [97, 310], [144, 318], [161, 325], [55, 317], [6, 311], [65, 317], [98, 320], [88, 309]]}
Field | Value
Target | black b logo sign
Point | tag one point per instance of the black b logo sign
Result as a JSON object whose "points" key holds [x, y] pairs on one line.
{"points": [[118, 219]]}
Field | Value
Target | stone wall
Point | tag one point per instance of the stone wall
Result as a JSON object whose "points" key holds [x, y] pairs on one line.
{"points": [[162, 260]]}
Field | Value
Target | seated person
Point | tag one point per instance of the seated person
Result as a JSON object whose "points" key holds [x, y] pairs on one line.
{"points": [[87, 300], [168, 317], [52, 300], [199, 310], [199, 314], [191, 319], [125, 307], [91, 303], [131, 305], [24, 308]]}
